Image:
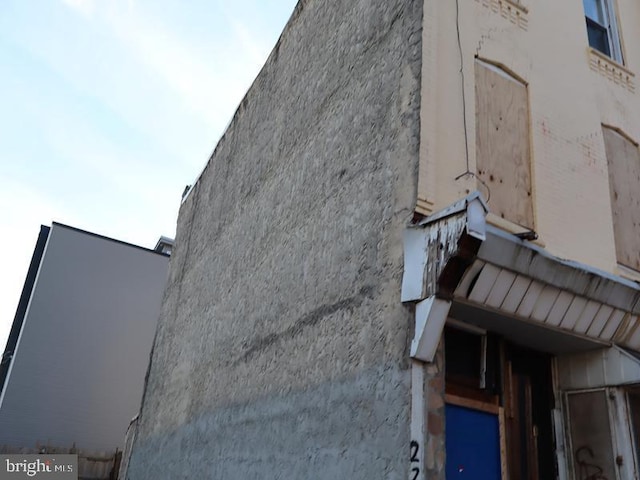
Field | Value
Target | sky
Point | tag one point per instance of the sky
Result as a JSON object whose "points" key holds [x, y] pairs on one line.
{"points": [[109, 108]]}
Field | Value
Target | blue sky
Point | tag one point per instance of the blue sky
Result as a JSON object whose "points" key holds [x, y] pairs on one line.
{"points": [[108, 108]]}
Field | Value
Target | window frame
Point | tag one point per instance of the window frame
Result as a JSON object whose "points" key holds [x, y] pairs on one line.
{"points": [[574, 446], [634, 426], [614, 41]]}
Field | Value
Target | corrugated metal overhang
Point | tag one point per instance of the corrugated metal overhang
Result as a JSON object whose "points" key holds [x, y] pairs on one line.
{"points": [[605, 367], [482, 275]]}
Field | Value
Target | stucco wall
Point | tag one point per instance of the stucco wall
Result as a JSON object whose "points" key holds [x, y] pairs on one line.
{"points": [[282, 348]]}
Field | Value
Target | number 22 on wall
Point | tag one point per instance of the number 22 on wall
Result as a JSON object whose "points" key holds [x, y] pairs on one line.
{"points": [[415, 461]]}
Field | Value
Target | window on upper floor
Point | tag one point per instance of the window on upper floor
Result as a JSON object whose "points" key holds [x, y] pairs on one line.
{"points": [[623, 159], [602, 28], [503, 148]]}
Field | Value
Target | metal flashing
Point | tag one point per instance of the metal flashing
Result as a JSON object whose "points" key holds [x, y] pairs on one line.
{"points": [[431, 315], [110, 239], [473, 205], [430, 244], [605, 367]]}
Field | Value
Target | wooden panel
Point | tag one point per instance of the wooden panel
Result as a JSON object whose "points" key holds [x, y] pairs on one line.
{"points": [[502, 143], [471, 403], [626, 329], [633, 339], [516, 294], [560, 308], [546, 300], [573, 313], [501, 288], [530, 298], [600, 321], [612, 325], [503, 445], [462, 290], [623, 158], [485, 283], [587, 317]]}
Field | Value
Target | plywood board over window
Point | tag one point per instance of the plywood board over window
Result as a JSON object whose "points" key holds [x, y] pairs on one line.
{"points": [[623, 158], [502, 143]]}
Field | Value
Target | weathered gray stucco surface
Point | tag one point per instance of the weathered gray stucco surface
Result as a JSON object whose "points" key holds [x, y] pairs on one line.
{"points": [[282, 345]]}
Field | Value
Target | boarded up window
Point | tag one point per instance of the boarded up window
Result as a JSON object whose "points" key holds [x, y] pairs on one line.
{"points": [[502, 143], [623, 158], [591, 438]]}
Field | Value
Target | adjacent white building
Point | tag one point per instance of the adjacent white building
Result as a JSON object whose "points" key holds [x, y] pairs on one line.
{"points": [[74, 366]]}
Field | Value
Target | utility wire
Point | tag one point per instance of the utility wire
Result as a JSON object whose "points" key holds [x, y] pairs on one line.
{"points": [[462, 83], [467, 172]]}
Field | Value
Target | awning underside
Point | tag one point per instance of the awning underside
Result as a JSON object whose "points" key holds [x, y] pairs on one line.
{"points": [[519, 297], [529, 334]]}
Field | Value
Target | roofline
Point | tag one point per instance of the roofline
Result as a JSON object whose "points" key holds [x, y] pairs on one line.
{"points": [[103, 237]]}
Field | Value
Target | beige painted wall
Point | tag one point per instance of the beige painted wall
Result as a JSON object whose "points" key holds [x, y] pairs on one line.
{"points": [[571, 95]]}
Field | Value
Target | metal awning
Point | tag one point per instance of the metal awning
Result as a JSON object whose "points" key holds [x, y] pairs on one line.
{"points": [[606, 367], [456, 264]]}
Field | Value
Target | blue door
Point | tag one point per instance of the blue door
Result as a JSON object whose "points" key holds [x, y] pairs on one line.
{"points": [[472, 443]]}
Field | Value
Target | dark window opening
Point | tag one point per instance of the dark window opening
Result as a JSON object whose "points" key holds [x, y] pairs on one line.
{"points": [[472, 361], [634, 406], [598, 37], [463, 357], [602, 28]]}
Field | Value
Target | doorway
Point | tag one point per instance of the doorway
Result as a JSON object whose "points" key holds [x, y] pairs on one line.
{"points": [[528, 403], [506, 391]]}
